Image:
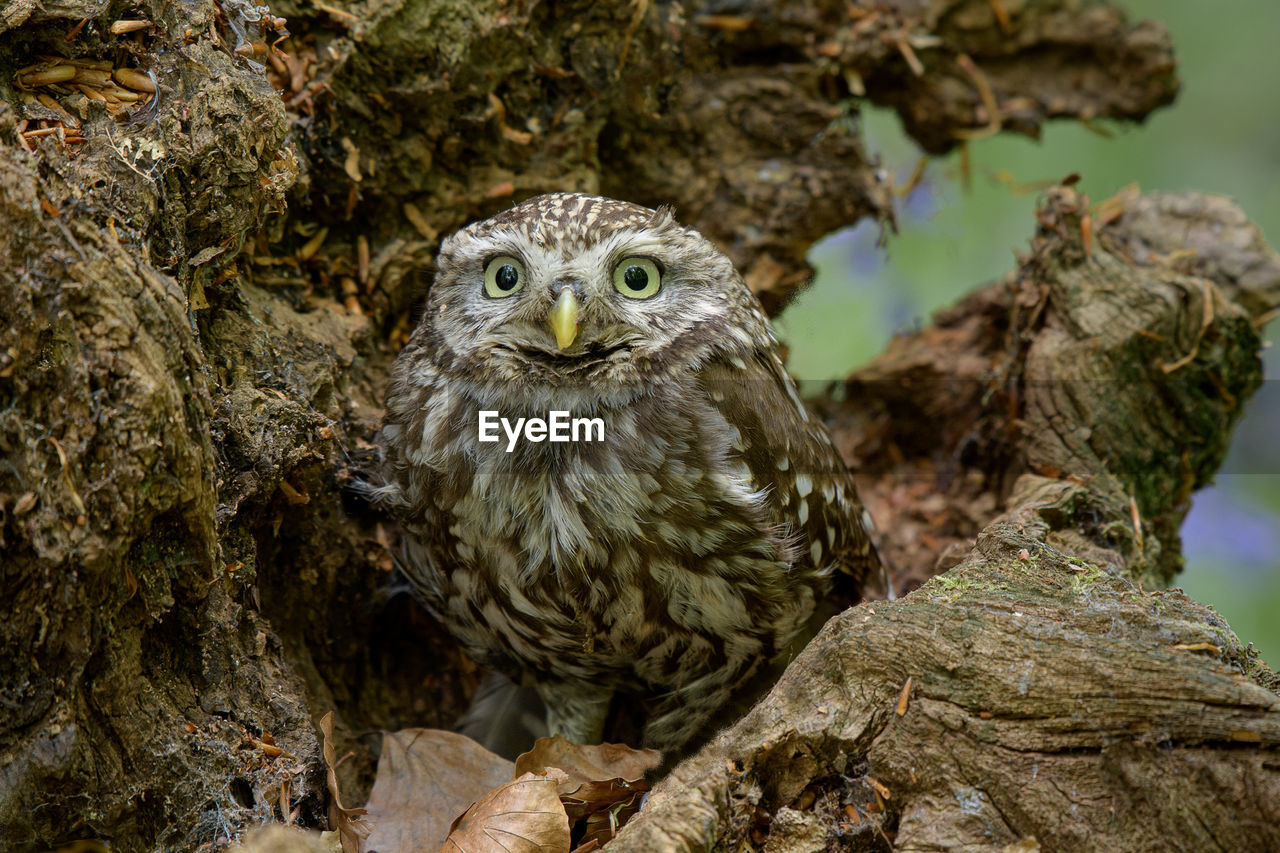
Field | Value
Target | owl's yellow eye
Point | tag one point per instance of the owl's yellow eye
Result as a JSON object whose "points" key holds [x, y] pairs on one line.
{"points": [[637, 278], [503, 276]]}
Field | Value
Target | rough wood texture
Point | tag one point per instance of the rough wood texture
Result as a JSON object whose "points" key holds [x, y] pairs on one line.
{"points": [[184, 391], [1052, 696]]}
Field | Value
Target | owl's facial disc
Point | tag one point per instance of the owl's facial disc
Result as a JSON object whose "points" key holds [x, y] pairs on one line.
{"points": [[569, 292], [564, 318]]}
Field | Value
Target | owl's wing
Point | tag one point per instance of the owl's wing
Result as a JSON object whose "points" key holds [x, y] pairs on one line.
{"points": [[411, 487], [789, 452], [408, 399]]}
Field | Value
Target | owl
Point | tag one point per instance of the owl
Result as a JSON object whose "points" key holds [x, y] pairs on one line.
{"points": [[669, 551]]}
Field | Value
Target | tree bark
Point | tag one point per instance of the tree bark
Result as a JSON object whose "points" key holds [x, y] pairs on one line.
{"points": [[1040, 692], [190, 369]]}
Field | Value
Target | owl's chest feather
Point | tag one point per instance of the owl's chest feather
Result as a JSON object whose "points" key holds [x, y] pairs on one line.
{"points": [[570, 508], [634, 546]]}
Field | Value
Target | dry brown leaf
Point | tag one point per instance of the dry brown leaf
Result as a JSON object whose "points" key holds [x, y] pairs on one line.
{"points": [[606, 806], [523, 816], [604, 824], [426, 778], [593, 797], [601, 785], [585, 764], [904, 697], [349, 823]]}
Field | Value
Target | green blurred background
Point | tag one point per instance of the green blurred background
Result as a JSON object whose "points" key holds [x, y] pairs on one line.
{"points": [[1222, 135]]}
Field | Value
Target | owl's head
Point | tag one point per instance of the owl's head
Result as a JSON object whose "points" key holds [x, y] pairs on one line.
{"points": [[574, 290]]}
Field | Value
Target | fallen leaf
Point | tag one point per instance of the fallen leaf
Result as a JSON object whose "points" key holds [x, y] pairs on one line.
{"points": [[604, 824], [349, 823], [425, 779], [904, 697], [523, 816], [585, 764], [593, 797]]}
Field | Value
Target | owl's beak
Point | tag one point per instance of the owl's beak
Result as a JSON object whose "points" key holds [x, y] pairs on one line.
{"points": [[564, 318]]}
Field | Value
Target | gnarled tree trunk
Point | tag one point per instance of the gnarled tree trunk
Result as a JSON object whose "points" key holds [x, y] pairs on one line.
{"points": [[1045, 690]]}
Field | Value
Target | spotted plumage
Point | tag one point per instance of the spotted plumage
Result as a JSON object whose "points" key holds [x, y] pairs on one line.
{"points": [[669, 560]]}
